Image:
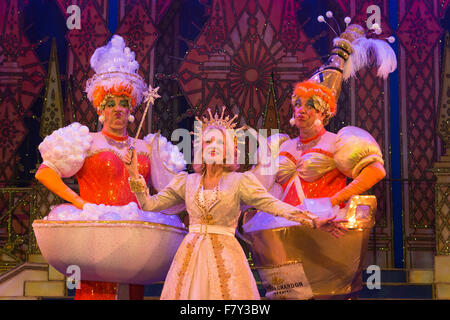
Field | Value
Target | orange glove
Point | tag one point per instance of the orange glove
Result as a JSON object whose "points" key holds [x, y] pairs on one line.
{"points": [[50, 179], [366, 179]]}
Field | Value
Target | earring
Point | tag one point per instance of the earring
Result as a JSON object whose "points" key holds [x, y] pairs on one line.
{"points": [[318, 122], [101, 118], [131, 118], [292, 121]]}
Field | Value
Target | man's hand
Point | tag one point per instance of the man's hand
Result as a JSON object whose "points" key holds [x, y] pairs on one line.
{"points": [[130, 162]]}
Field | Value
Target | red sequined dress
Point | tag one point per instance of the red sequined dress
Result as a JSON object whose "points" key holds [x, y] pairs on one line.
{"points": [[96, 160], [103, 179]]}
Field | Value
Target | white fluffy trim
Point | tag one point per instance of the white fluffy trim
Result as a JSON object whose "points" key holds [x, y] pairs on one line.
{"points": [[169, 153], [94, 212], [65, 149]]}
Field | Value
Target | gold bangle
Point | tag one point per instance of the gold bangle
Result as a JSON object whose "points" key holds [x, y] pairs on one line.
{"points": [[137, 185]]}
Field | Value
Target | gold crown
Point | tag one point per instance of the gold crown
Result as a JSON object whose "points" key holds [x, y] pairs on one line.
{"points": [[219, 121], [215, 120]]}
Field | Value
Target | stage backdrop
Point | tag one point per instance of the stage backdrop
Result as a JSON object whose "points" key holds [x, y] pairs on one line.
{"points": [[246, 55]]}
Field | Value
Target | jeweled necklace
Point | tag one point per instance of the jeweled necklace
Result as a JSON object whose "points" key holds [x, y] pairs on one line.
{"points": [[303, 144], [201, 196], [116, 141]]}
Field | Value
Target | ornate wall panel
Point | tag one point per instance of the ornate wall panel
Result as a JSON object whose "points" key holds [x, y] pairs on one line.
{"points": [[137, 27], [21, 80], [17, 204], [82, 44], [442, 218], [231, 61], [167, 112], [418, 33], [19, 207], [371, 112]]}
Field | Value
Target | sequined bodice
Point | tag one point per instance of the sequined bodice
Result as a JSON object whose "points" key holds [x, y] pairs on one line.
{"points": [[314, 163], [104, 178], [317, 170], [319, 175]]}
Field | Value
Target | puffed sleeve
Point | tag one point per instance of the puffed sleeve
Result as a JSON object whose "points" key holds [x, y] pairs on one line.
{"points": [[166, 160], [65, 149], [172, 195], [355, 149], [253, 193]]}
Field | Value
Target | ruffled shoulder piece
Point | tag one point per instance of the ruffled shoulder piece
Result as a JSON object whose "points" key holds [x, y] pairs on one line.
{"points": [[166, 163], [65, 149], [266, 168], [266, 171], [166, 160]]}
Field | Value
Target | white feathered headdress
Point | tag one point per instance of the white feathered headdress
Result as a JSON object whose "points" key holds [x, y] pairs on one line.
{"points": [[367, 52], [115, 73]]}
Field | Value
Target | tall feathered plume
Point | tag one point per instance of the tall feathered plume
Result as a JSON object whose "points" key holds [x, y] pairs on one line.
{"points": [[367, 51]]}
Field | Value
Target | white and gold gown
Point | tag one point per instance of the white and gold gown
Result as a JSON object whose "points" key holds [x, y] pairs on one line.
{"points": [[210, 264]]}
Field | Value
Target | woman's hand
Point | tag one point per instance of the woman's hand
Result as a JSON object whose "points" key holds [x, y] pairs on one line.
{"points": [[130, 162], [331, 225]]}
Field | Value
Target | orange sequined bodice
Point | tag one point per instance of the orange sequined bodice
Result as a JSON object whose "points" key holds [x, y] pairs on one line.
{"points": [[318, 175], [104, 178]]}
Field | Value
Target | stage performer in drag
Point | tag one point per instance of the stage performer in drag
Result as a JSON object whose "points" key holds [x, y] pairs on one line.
{"points": [[115, 91], [210, 263], [317, 163]]}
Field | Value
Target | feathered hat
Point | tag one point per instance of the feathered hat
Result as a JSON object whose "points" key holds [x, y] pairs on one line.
{"points": [[352, 50], [115, 74]]}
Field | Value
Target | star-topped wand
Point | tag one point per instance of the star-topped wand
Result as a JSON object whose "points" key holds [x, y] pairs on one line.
{"points": [[150, 96]]}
